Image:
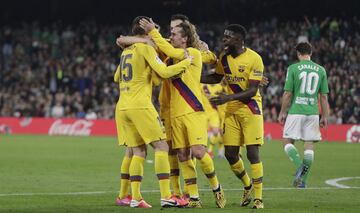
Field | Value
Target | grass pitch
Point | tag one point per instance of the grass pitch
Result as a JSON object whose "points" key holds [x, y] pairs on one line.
{"points": [[81, 174]]}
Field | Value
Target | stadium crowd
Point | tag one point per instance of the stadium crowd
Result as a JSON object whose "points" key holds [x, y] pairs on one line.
{"points": [[67, 71]]}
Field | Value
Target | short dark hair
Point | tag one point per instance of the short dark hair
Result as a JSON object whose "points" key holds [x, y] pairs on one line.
{"points": [[135, 26], [237, 28], [180, 17], [304, 48]]}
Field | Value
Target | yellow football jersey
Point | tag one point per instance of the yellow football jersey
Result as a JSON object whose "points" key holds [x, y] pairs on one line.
{"points": [[164, 99], [117, 74], [212, 90], [186, 95], [163, 44], [238, 73], [135, 73]]}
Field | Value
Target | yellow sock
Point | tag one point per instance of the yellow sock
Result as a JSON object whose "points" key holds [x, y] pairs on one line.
{"points": [[125, 177], [189, 174], [257, 178], [162, 170], [185, 189], [239, 170], [207, 166], [136, 174], [175, 174]]}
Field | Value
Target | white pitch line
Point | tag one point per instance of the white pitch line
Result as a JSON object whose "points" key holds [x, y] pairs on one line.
{"points": [[155, 191], [334, 182]]}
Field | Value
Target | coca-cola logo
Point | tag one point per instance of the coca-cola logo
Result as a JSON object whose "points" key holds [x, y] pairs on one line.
{"points": [[25, 122], [78, 127], [353, 134]]}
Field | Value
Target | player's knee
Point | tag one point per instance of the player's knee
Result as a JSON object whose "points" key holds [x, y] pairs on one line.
{"points": [[231, 158], [198, 151], [183, 155], [253, 157], [129, 152], [252, 154], [139, 151], [160, 146]]}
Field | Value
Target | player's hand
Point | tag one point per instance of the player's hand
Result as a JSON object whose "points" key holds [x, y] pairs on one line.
{"points": [[264, 81], [186, 53], [204, 46], [119, 43], [191, 59], [282, 118], [188, 56], [221, 99], [323, 122], [147, 25]]}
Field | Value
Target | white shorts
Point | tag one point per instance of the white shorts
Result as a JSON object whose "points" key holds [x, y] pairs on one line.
{"points": [[302, 127]]}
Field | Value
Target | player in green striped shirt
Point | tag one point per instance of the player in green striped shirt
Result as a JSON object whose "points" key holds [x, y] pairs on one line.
{"points": [[305, 82]]}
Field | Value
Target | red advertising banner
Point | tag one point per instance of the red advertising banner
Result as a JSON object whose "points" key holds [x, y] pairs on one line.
{"points": [[50, 126], [82, 127]]}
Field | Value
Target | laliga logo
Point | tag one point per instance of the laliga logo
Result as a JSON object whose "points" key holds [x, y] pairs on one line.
{"points": [[79, 127], [353, 134]]}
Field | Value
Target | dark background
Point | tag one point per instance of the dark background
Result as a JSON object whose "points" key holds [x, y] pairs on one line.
{"points": [[120, 12]]}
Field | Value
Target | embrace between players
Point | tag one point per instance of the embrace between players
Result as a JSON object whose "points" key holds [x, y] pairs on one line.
{"points": [[179, 135]]}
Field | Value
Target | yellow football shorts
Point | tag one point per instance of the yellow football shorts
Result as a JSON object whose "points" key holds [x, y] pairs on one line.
{"points": [[139, 126], [119, 128], [189, 130], [243, 128]]}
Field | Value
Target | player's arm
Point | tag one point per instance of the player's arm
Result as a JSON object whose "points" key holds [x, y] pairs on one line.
{"points": [[165, 46], [207, 56], [124, 41], [211, 78], [215, 77], [160, 68], [324, 90], [117, 74], [324, 109], [286, 100], [255, 77], [161, 43], [241, 96]]}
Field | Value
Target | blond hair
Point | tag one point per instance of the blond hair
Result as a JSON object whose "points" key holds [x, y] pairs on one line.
{"points": [[189, 31]]}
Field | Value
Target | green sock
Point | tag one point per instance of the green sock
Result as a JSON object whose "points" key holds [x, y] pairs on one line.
{"points": [[308, 160], [293, 154]]}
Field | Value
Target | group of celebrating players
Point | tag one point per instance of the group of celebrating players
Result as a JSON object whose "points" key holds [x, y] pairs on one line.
{"points": [[190, 105]]}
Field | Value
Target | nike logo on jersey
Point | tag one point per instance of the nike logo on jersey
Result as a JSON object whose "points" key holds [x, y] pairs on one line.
{"points": [[257, 138]]}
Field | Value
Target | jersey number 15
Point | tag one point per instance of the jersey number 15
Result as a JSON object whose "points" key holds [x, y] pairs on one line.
{"points": [[125, 65]]}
